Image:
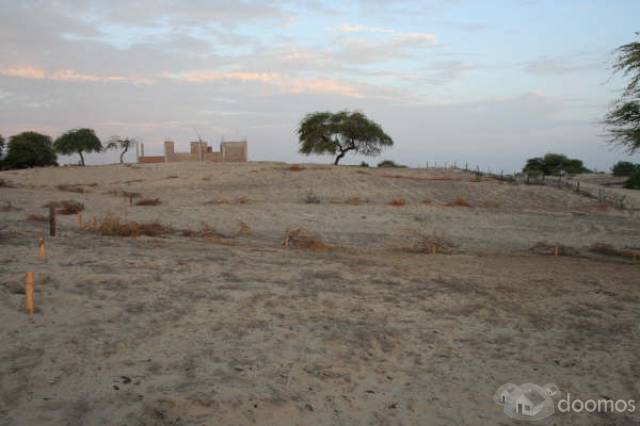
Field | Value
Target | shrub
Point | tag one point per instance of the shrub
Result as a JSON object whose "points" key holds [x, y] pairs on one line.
{"points": [[66, 207], [458, 202], [624, 168], [302, 239], [148, 202], [113, 226], [364, 164], [634, 181], [390, 163], [295, 168], [398, 202], [71, 188], [311, 198]]}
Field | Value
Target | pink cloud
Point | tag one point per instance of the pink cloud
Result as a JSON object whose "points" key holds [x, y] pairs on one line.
{"points": [[35, 73], [203, 76], [28, 72], [323, 86]]}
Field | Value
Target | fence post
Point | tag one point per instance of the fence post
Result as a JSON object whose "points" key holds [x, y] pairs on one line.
{"points": [[29, 303], [52, 221]]}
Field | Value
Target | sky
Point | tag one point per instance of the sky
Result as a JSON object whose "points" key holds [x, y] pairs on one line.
{"points": [[487, 83]]}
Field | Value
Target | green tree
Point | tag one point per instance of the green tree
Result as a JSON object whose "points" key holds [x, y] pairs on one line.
{"points": [[339, 133], [124, 144], [624, 168], [1, 146], [623, 121], [634, 181], [554, 164], [78, 141], [30, 149]]}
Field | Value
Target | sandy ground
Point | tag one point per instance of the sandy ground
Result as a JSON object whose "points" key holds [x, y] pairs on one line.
{"points": [[237, 330]]}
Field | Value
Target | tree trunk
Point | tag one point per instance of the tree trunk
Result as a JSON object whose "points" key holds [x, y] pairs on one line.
{"points": [[122, 154], [339, 157], [81, 158]]}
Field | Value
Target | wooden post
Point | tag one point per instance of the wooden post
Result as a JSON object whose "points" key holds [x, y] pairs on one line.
{"points": [[556, 251], [434, 248], [130, 200], [79, 219], [42, 252], [52, 221], [29, 301]]}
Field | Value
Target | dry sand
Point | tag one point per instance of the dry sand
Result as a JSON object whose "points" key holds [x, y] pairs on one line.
{"points": [[367, 328]]}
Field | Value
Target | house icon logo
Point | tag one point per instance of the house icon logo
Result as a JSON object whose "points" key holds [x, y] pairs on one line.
{"points": [[527, 401]]}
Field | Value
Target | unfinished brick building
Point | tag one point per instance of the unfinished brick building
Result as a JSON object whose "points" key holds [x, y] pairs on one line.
{"points": [[200, 151]]}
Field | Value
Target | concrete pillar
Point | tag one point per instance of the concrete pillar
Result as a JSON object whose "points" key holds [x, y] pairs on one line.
{"points": [[169, 151]]}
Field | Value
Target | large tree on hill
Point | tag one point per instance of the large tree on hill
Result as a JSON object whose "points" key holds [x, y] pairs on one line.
{"points": [[341, 132], [623, 121], [554, 164], [30, 149], [78, 141], [116, 142]]}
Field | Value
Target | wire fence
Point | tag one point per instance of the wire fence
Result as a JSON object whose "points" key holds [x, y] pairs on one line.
{"points": [[614, 197]]}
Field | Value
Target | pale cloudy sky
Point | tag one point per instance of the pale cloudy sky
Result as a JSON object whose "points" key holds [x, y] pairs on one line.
{"points": [[485, 82]]}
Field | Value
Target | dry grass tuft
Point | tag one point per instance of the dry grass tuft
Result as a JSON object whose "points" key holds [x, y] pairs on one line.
{"points": [[300, 238], [311, 198], [427, 201], [433, 244], [79, 189], [553, 249], [239, 200], [490, 205], [208, 233], [113, 226], [125, 194], [148, 202], [66, 207], [398, 202], [244, 229], [609, 250], [37, 218], [295, 168], [172, 177], [458, 202], [356, 201]]}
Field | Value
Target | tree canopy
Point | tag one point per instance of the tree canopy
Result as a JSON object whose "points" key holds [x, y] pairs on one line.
{"points": [[78, 141], [339, 133], [1, 145], [116, 142], [623, 120], [30, 149], [554, 164], [625, 168]]}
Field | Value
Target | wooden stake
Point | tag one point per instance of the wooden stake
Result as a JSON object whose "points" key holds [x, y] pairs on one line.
{"points": [[29, 301], [52, 221], [79, 219], [42, 254], [556, 251], [130, 200], [434, 248]]}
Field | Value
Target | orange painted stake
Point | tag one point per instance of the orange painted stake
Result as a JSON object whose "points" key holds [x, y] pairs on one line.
{"points": [[42, 254], [29, 301]]}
